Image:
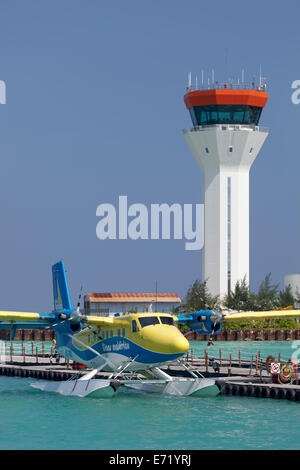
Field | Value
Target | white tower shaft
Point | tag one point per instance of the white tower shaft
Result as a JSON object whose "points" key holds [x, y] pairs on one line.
{"points": [[225, 154]]}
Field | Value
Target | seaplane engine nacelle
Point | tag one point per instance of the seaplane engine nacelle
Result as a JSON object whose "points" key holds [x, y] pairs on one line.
{"points": [[203, 322]]}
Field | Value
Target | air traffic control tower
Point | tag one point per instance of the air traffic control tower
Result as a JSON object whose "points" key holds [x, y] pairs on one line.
{"points": [[225, 140]]}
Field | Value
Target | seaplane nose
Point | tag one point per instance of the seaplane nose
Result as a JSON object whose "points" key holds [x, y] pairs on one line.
{"points": [[180, 344], [164, 339]]}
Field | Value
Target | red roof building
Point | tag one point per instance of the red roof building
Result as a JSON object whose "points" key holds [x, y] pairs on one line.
{"points": [[109, 303]]}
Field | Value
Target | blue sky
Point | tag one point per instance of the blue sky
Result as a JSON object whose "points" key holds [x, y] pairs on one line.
{"points": [[95, 110]]}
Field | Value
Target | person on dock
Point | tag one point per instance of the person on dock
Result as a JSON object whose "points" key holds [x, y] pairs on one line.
{"points": [[54, 352], [53, 347]]}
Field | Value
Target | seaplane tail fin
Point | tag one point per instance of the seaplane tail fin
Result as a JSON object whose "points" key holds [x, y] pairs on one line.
{"points": [[61, 294]]}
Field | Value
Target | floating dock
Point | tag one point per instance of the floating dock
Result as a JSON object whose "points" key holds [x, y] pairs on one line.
{"points": [[241, 378]]}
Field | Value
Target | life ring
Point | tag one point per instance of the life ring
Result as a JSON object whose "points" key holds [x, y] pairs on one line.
{"points": [[268, 362], [286, 373]]}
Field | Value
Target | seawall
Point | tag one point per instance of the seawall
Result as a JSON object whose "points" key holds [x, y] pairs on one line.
{"points": [[224, 335], [29, 335], [249, 335]]}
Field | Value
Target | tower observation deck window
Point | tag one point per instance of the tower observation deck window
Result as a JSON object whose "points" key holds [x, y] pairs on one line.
{"points": [[225, 114]]}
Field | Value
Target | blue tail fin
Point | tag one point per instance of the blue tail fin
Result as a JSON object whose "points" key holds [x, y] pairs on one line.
{"points": [[60, 288]]}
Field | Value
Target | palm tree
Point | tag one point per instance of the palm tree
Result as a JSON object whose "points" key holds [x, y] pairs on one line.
{"points": [[240, 298], [267, 296], [286, 298], [198, 297]]}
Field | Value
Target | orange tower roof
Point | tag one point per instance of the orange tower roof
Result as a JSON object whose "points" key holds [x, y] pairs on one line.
{"points": [[226, 97]]}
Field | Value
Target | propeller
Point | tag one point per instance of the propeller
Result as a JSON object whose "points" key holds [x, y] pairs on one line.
{"points": [[75, 317], [216, 317]]}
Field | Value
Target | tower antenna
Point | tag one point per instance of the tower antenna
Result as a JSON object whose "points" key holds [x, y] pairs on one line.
{"points": [[190, 80], [260, 76], [226, 60]]}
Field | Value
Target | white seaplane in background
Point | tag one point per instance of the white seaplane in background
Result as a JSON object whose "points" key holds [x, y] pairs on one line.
{"points": [[131, 348]]}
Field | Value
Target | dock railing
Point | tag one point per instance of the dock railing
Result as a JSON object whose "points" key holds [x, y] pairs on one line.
{"points": [[26, 351], [254, 361]]}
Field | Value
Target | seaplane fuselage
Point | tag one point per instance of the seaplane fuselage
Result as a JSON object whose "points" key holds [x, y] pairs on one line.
{"points": [[141, 341]]}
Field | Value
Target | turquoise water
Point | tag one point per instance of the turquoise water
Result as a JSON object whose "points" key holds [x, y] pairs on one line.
{"points": [[40, 346], [31, 419], [247, 348]]}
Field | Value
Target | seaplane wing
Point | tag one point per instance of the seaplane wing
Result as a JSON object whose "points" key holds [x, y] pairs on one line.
{"points": [[24, 316], [276, 314], [25, 320]]}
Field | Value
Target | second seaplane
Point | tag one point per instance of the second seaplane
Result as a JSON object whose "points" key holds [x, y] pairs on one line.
{"points": [[131, 348]]}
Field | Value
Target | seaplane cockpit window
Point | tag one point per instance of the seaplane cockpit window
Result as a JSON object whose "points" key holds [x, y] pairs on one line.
{"points": [[146, 321], [134, 326], [167, 320]]}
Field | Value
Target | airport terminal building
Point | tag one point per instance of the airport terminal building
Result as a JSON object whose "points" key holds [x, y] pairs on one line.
{"points": [[109, 303]]}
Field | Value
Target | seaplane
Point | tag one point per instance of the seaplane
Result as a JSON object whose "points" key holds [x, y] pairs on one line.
{"points": [[130, 348]]}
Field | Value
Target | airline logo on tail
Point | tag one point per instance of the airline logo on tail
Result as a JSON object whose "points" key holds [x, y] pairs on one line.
{"points": [[61, 295], [58, 303]]}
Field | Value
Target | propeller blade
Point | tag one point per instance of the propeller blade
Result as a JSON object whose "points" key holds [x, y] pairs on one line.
{"points": [[79, 299]]}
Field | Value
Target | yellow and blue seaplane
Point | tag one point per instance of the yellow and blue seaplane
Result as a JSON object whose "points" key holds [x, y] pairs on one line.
{"points": [[131, 348]]}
